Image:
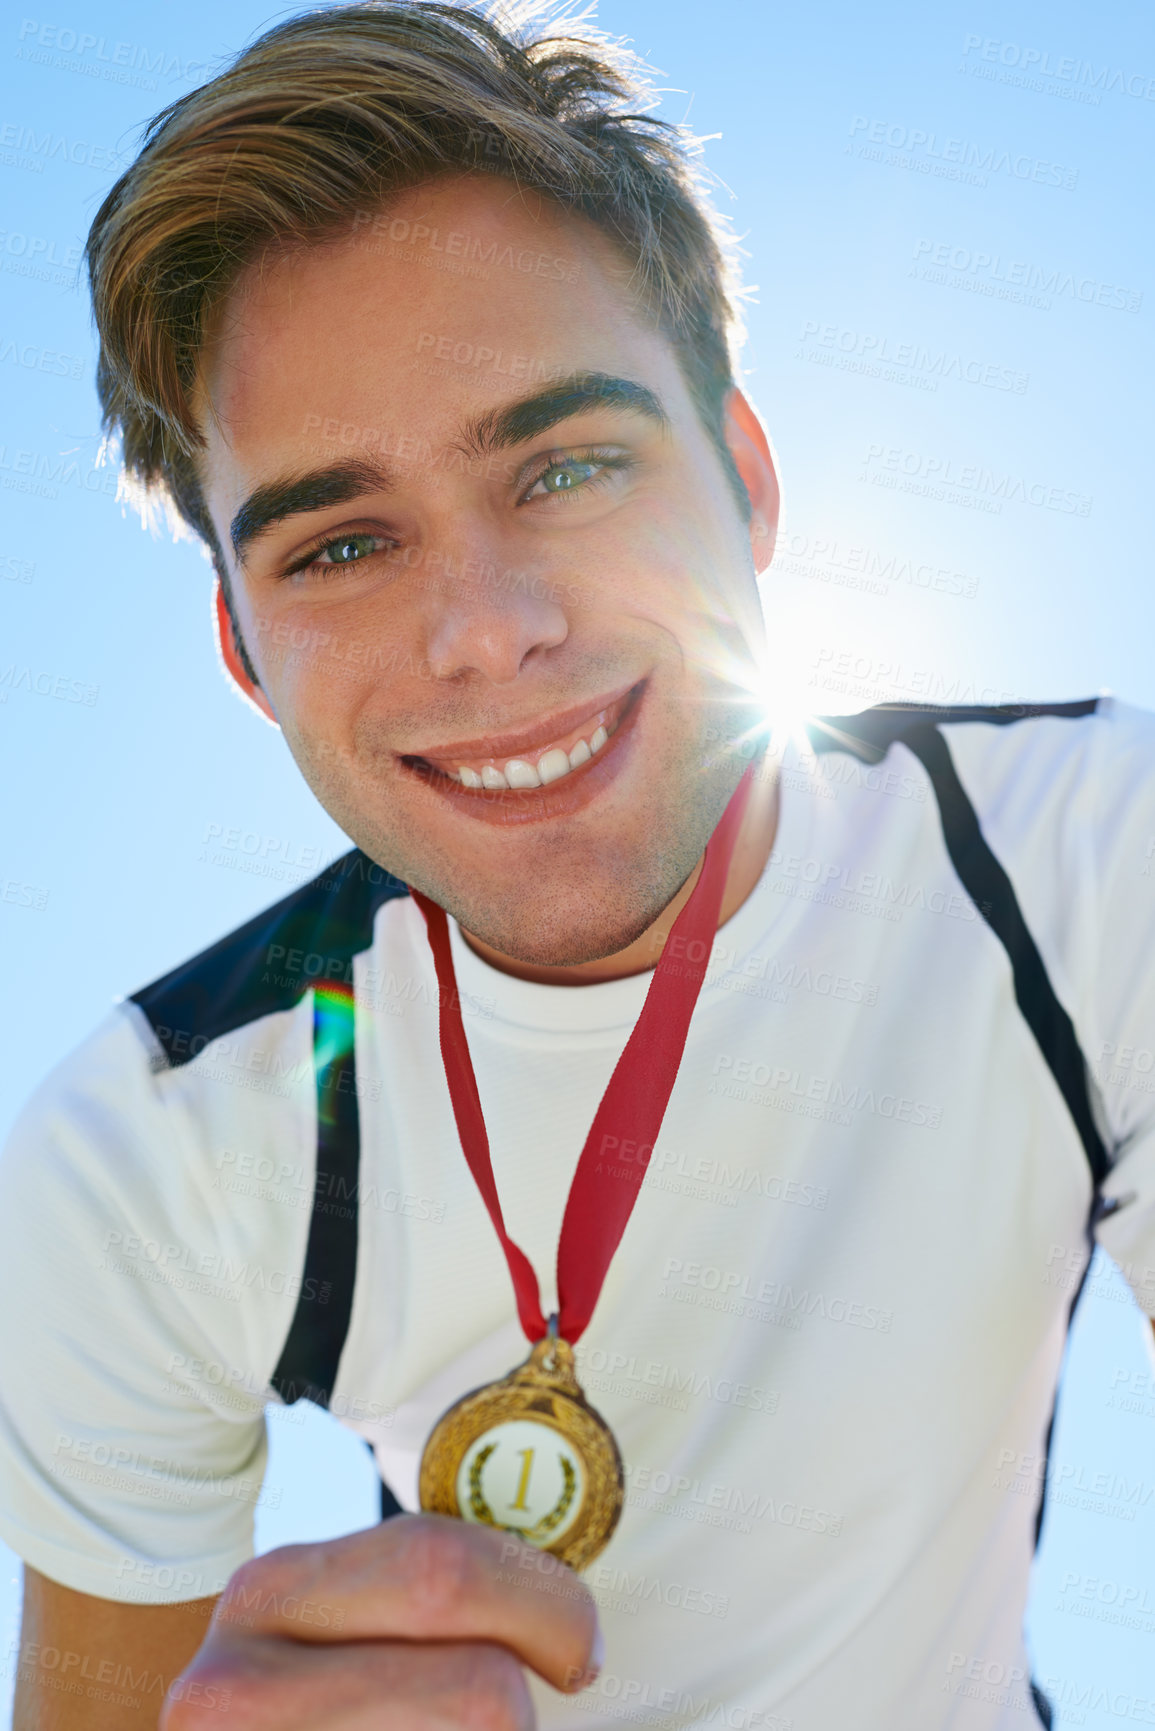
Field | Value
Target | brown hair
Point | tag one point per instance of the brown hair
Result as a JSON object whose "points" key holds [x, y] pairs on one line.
{"points": [[330, 113]]}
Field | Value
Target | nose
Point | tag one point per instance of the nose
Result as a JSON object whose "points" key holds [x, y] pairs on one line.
{"points": [[491, 622]]}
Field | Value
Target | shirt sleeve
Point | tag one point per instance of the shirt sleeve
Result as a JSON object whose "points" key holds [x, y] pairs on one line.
{"points": [[134, 1353], [1118, 1016], [1068, 807]]}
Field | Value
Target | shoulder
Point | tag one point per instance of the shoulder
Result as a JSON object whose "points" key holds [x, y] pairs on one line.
{"points": [[1036, 765], [1003, 730], [267, 965], [220, 1047], [1059, 797]]}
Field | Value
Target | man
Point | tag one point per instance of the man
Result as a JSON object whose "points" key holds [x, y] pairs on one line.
{"points": [[428, 338]]}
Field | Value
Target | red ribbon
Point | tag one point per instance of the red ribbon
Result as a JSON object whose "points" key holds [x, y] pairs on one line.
{"points": [[600, 1201]]}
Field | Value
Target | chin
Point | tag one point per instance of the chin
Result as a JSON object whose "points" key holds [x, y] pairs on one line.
{"points": [[554, 947], [562, 926]]}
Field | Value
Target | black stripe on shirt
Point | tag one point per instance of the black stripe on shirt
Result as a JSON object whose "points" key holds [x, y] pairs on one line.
{"points": [[311, 1355], [990, 889], [268, 965], [869, 736]]}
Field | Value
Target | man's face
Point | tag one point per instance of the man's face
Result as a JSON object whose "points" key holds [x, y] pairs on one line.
{"points": [[478, 537]]}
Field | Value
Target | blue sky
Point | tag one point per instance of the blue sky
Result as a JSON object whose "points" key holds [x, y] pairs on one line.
{"points": [[946, 212]]}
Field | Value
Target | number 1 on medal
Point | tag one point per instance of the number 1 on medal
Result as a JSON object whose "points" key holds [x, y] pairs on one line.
{"points": [[519, 1501]]}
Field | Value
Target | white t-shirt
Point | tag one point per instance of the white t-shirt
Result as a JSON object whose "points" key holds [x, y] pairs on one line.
{"points": [[829, 1342]]}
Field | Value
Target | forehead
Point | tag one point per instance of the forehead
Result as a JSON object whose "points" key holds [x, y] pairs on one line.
{"points": [[454, 296]]}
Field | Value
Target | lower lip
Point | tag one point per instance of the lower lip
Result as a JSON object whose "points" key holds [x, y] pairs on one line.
{"points": [[571, 793]]}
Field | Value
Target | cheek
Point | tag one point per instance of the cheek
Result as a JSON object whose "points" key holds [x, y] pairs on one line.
{"points": [[301, 660], [681, 598], [328, 764], [677, 564], [288, 663], [314, 692]]}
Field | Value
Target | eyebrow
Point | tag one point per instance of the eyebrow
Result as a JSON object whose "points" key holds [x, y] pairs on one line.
{"points": [[496, 430], [296, 494], [512, 425]]}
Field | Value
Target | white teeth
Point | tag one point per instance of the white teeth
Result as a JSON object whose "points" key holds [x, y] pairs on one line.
{"points": [[553, 765], [518, 773]]}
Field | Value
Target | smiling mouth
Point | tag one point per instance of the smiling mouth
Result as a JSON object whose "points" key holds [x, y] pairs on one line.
{"points": [[551, 757]]}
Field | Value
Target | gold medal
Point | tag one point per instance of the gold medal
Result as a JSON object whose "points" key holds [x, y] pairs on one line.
{"points": [[530, 1456]]}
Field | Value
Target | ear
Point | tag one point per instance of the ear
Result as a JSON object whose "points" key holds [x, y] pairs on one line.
{"points": [[230, 654], [752, 453]]}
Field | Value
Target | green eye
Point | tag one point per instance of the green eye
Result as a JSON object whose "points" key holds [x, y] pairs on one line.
{"points": [[561, 477], [566, 475], [347, 549]]}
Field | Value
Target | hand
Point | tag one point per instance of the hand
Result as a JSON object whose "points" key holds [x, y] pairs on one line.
{"points": [[422, 1621]]}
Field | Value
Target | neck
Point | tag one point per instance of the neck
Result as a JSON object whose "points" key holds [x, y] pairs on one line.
{"points": [[751, 851]]}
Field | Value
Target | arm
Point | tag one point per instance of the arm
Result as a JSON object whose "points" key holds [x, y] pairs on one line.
{"points": [[87, 1664]]}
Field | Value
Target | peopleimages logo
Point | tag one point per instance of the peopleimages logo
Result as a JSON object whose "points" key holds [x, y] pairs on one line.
{"points": [[41, 360], [877, 355], [59, 44], [997, 486], [901, 146], [1039, 63], [38, 147], [992, 274]]}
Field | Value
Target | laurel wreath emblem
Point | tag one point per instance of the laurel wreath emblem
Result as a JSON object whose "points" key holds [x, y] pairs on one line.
{"points": [[481, 1510]]}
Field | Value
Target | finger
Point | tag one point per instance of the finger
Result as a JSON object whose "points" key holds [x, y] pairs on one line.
{"points": [[366, 1686], [423, 1578]]}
